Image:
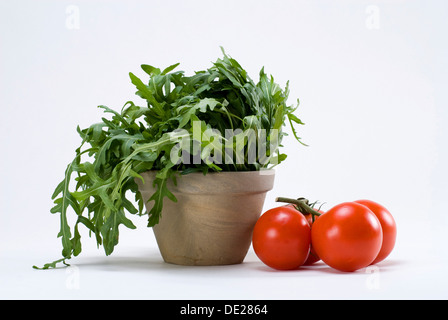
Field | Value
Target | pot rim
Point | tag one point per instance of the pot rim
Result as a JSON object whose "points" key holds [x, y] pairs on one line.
{"points": [[223, 182]]}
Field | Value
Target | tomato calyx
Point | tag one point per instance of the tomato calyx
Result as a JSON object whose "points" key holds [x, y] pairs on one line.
{"points": [[302, 205]]}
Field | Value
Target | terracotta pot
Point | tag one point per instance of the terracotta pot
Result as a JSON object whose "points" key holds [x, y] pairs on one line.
{"points": [[212, 221]]}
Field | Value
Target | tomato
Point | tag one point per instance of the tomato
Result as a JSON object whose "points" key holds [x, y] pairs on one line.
{"points": [[347, 237], [387, 225], [312, 257], [281, 238]]}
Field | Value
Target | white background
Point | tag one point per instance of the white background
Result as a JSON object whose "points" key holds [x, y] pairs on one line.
{"points": [[371, 78]]}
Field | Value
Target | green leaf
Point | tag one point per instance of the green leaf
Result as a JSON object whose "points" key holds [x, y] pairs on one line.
{"points": [[76, 242], [150, 69], [170, 68], [52, 264], [292, 118], [161, 192], [117, 116], [146, 93], [186, 111], [279, 120], [61, 207]]}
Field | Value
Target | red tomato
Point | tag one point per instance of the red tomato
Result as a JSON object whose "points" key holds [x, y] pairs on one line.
{"points": [[281, 238], [312, 257], [387, 225], [347, 237]]}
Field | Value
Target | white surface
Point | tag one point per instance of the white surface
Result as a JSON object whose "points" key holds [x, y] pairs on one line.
{"points": [[140, 273], [371, 77]]}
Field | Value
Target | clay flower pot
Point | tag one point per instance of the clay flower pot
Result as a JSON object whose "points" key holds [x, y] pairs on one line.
{"points": [[212, 221]]}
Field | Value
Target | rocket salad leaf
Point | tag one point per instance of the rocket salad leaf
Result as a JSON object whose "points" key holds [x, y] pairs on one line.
{"points": [[142, 138]]}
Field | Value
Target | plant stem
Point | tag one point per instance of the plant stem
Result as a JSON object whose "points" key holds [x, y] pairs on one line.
{"points": [[301, 204]]}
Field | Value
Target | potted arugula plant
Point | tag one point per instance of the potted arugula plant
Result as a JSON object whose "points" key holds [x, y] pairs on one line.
{"points": [[197, 158]]}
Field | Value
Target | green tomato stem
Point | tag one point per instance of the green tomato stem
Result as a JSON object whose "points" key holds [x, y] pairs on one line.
{"points": [[301, 204]]}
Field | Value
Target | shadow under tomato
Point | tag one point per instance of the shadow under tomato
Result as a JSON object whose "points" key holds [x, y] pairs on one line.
{"points": [[315, 266], [383, 266]]}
